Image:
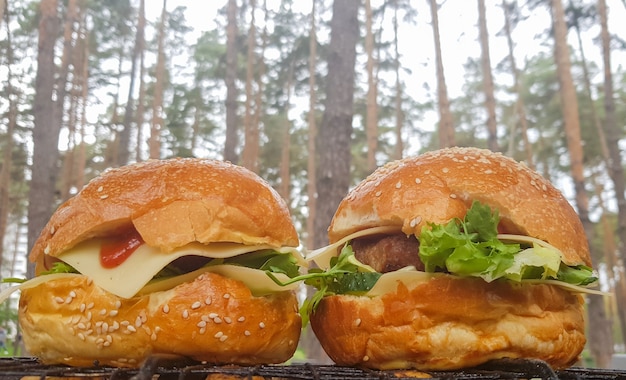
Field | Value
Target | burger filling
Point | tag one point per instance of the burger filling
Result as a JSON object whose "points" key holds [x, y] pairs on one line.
{"points": [[371, 262]]}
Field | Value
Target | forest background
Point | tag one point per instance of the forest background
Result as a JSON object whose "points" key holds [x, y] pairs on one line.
{"points": [[314, 95]]}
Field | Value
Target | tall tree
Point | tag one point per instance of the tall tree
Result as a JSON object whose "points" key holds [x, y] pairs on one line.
{"points": [[123, 149], [485, 60], [601, 341], [613, 135], [312, 134], [333, 141], [399, 114], [141, 106], [230, 145], [520, 107], [250, 154], [7, 148], [371, 119], [157, 123], [446, 124], [45, 134]]}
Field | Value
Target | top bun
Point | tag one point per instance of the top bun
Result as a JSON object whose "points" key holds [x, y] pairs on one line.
{"points": [[172, 203], [441, 185]]}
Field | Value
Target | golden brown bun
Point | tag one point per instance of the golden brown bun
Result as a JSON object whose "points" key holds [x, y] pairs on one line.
{"points": [[441, 185], [442, 324], [213, 319], [172, 203]]}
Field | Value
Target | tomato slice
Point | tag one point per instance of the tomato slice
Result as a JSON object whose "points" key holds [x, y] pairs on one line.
{"points": [[114, 252]]}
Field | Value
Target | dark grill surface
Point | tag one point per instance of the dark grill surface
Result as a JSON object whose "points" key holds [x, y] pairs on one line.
{"points": [[19, 368]]}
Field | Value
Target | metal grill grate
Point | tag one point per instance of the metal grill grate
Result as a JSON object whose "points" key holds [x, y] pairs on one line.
{"points": [[31, 369]]}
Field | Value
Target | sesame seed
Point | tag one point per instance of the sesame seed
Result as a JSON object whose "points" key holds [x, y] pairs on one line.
{"points": [[59, 300], [262, 325], [104, 196], [106, 344], [202, 330], [100, 189], [196, 305], [223, 338], [208, 301], [418, 181], [217, 320], [201, 324], [103, 312], [247, 333], [46, 250], [398, 185], [68, 300], [453, 196], [138, 322], [241, 319], [357, 322], [99, 341], [131, 328], [153, 337], [205, 318], [166, 308], [228, 320], [185, 314], [445, 170], [52, 230], [81, 326], [218, 335], [118, 304], [213, 315], [73, 294], [81, 336], [82, 307], [113, 313], [378, 193], [124, 323], [105, 327], [109, 338], [90, 305], [88, 332], [115, 326], [226, 295], [88, 317], [366, 358]]}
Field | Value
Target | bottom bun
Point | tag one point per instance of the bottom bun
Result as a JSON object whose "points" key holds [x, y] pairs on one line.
{"points": [[451, 323], [213, 319]]}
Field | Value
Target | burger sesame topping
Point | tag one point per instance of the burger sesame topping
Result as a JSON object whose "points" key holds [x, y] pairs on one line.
{"points": [[262, 325], [217, 320], [247, 333], [201, 324], [185, 314], [398, 185], [59, 300], [226, 295], [113, 313], [218, 335], [82, 307], [196, 305], [103, 312], [166, 308], [418, 181], [223, 338], [228, 320], [357, 322], [131, 328], [241, 319], [207, 301]]}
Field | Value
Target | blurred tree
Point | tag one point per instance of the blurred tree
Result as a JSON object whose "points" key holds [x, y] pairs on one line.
{"points": [[488, 91]]}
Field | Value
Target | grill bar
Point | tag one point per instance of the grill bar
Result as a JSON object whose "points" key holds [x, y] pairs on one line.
{"points": [[30, 369]]}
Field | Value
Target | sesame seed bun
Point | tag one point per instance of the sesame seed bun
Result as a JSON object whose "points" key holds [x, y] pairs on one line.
{"points": [[212, 318], [450, 322], [170, 203]]}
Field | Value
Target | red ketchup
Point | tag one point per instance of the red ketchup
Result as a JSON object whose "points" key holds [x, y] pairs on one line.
{"points": [[115, 252]]}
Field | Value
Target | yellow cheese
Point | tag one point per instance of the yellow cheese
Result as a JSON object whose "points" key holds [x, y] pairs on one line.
{"points": [[134, 273]]}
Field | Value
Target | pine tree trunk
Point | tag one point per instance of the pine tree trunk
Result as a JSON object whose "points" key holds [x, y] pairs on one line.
{"points": [[334, 138], [371, 118], [7, 153], [232, 140], [613, 135], [154, 144], [250, 154], [141, 99], [446, 124], [45, 134], [311, 159], [258, 98], [399, 148], [285, 183], [490, 100], [600, 337], [520, 107]]}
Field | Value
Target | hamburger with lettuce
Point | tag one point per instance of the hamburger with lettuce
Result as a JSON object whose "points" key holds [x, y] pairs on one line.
{"points": [[449, 260]]}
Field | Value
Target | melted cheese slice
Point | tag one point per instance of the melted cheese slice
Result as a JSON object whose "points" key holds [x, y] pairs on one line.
{"points": [[126, 280]]}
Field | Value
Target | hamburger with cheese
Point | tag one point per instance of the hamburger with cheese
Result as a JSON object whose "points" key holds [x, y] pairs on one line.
{"points": [[165, 258], [449, 260]]}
